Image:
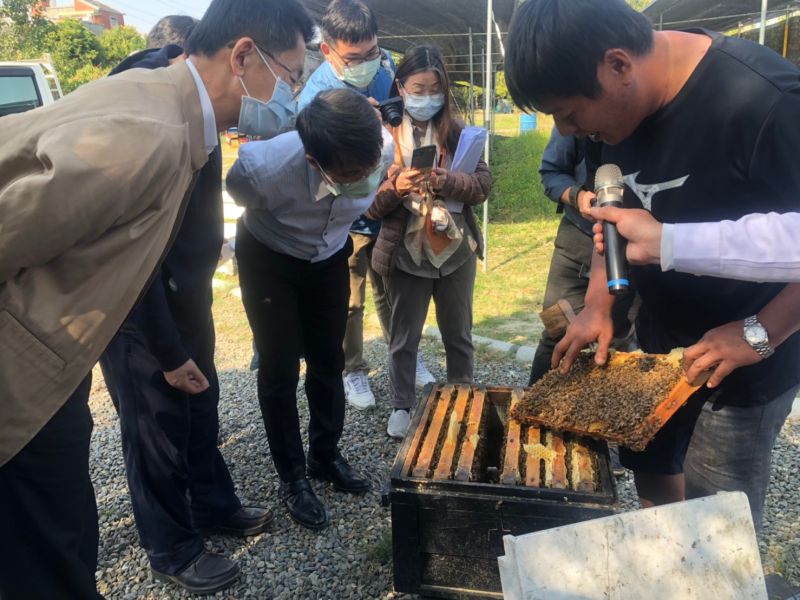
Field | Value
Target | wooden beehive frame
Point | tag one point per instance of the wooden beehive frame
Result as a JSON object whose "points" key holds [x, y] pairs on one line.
{"points": [[445, 445], [665, 409], [510, 474]]}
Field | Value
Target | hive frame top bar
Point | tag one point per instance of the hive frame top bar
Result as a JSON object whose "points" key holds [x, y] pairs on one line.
{"points": [[402, 477], [664, 411]]}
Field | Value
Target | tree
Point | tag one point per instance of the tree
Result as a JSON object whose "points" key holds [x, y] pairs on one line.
{"points": [[500, 86], [640, 5], [24, 30], [119, 42], [85, 74], [73, 48]]}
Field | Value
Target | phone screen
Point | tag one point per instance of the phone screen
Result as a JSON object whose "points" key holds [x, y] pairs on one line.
{"points": [[424, 157]]}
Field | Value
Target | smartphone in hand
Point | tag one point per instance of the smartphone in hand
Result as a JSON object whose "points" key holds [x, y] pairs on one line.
{"points": [[424, 157]]}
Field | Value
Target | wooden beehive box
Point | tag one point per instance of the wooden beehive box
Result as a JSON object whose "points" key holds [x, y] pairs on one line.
{"points": [[466, 475]]}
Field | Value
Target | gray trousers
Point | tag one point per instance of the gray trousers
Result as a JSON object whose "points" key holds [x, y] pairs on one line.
{"points": [[731, 450], [410, 297], [361, 269]]}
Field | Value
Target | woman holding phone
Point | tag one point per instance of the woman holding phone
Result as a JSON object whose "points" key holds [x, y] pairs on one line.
{"points": [[429, 241]]}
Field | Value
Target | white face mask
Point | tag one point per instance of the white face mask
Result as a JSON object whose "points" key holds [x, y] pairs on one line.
{"points": [[261, 120], [423, 108]]}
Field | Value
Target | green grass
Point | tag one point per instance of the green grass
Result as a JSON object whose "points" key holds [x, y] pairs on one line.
{"points": [[522, 227], [509, 124], [381, 551], [506, 124], [517, 194]]}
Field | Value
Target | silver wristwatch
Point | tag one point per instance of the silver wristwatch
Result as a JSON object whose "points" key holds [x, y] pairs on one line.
{"points": [[756, 335]]}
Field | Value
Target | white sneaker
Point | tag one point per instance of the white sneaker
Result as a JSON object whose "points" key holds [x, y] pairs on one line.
{"points": [[398, 423], [357, 391], [423, 376]]}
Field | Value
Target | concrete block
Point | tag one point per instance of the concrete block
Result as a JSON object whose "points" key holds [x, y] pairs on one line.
{"points": [[229, 230], [229, 207], [431, 331], [795, 414], [479, 340], [695, 550], [525, 354], [499, 347]]}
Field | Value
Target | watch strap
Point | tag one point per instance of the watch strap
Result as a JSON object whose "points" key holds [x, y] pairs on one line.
{"points": [[574, 191], [763, 348]]}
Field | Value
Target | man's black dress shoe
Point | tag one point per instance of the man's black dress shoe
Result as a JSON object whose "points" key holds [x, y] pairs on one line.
{"points": [[208, 573], [248, 520], [339, 473], [303, 505]]}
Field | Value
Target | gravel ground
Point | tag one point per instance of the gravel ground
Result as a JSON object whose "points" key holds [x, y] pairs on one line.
{"points": [[351, 558]]}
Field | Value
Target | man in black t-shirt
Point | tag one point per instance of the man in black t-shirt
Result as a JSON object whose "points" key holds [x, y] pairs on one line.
{"points": [[702, 127], [567, 171]]}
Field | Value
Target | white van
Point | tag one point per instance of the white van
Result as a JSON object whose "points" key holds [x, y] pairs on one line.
{"points": [[27, 84]]}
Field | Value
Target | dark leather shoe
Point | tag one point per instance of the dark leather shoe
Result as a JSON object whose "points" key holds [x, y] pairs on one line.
{"points": [[339, 473], [209, 573], [248, 520], [303, 505]]}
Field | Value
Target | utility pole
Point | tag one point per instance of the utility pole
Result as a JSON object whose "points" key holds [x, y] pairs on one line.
{"points": [[487, 120], [471, 82]]}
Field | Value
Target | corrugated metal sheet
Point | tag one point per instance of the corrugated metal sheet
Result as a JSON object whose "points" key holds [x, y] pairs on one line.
{"points": [[404, 23], [711, 14]]}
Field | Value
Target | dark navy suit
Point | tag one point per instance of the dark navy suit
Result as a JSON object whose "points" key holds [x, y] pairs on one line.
{"points": [[176, 474]]}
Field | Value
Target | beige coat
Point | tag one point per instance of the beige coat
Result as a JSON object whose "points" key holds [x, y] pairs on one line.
{"points": [[91, 191]]}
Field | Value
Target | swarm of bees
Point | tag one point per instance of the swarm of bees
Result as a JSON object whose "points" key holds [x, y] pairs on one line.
{"points": [[626, 400]]}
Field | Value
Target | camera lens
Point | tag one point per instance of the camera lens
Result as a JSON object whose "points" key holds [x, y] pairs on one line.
{"points": [[392, 111], [392, 114]]}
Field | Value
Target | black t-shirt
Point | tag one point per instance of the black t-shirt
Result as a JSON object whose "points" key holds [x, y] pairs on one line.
{"points": [[727, 145]]}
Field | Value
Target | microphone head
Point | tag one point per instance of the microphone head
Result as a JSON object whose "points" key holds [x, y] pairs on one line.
{"points": [[608, 175]]}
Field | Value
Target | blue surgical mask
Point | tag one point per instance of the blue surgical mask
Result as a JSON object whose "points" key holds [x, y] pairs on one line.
{"points": [[357, 189], [264, 120], [360, 76], [423, 108]]}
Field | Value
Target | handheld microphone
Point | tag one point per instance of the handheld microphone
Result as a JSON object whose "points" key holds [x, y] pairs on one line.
{"points": [[609, 186]]}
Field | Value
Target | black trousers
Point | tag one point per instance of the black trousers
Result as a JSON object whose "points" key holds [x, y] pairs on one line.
{"points": [[296, 306], [48, 515], [177, 477], [569, 279]]}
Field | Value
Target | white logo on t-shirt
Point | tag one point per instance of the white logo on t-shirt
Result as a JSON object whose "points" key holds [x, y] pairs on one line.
{"points": [[645, 192]]}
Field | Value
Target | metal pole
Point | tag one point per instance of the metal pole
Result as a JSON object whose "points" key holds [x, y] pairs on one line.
{"points": [[786, 34], [471, 82], [487, 101], [762, 32], [493, 104], [661, 22]]}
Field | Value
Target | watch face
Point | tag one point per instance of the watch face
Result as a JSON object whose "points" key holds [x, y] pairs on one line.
{"points": [[755, 334]]}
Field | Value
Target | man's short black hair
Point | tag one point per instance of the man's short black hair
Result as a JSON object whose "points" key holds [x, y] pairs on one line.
{"points": [[349, 21], [340, 129], [273, 24], [555, 46], [173, 29]]}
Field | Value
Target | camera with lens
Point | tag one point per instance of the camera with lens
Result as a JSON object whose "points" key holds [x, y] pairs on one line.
{"points": [[392, 111]]}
